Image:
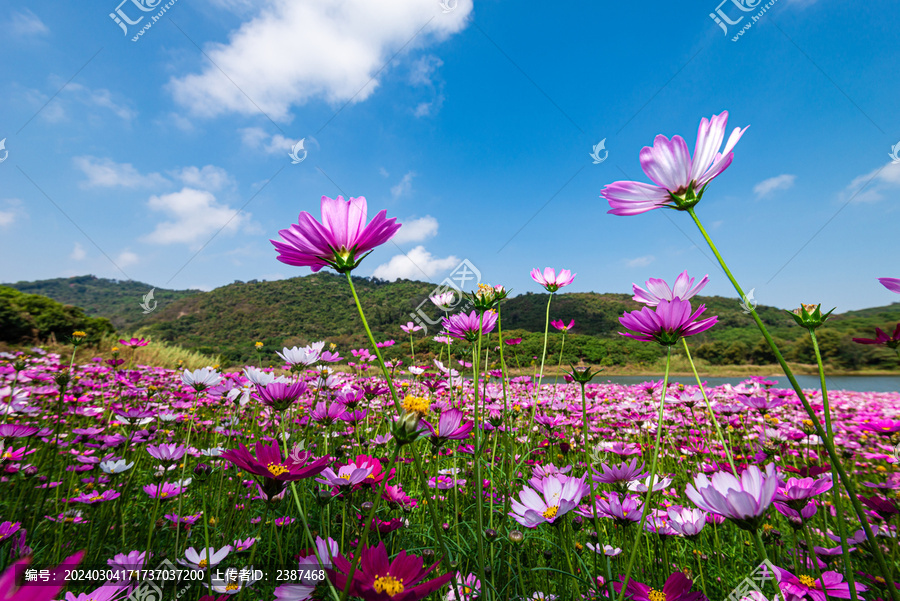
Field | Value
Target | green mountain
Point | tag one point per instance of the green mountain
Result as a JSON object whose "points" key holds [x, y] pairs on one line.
{"points": [[229, 320]]}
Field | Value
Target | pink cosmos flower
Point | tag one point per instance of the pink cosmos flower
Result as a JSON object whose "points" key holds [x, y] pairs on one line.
{"points": [[743, 501], [341, 241], [558, 498], [667, 324], [410, 327], [134, 342], [658, 289], [796, 492], [680, 180], [561, 325], [550, 280], [892, 341], [465, 327], [892, 284], [831, 585]]}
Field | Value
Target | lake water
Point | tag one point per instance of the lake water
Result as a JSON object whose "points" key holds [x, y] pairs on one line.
{"points": [[853, 383]]}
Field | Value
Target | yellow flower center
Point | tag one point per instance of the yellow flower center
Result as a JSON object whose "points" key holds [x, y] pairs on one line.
{"points": [[550, 512], [163, 494], [202, 563], [656, 595], [276, 469], [7, 455], [345, 476], [517, 408], [95, 498], [388, 584], [416, 404], [232, 586], [807, 581]]}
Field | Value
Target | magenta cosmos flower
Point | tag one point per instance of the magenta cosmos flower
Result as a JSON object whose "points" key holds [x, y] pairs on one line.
{"points": [[550, 280], [680, 180], [667, 323], [658, 290], [269, 464], [807, 587], [339, 240], [560, 495], [676, 588], [881, 338], [378, 578], [450, 426], [563, 326], [892, 284], [743, 501], [134, 342], [465, 327], [36, 591]]}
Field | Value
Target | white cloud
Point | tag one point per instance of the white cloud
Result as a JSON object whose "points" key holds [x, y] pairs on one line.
{"points": [[11, 213], [292, 52], [383, 172], [773, 184], [417, 264], [403, 186], [25, 23], [78, 252], [126, 258], [106, 173], [210, 177], [422, 70], [872, 186], [417, 230], [257, 137], [195, 216], [640, 261]]}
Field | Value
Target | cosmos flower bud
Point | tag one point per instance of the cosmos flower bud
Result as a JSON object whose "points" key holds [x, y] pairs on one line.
{"points": [[809, 316], [202, 471], [19, 365], [583, 375], [62, 379], [516, 536], [406, 429]]}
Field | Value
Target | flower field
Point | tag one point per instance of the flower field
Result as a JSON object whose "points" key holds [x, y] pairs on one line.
{"points": [[453, 480]]}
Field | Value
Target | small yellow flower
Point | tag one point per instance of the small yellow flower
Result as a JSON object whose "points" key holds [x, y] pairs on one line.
{"points": [[332, 346], [115, 349], [258, 345], [416, 404], [78, 334], [880, 468], [212, 521]]}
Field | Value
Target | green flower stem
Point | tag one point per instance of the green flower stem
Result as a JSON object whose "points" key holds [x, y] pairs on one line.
{"points": [[398, 407], [562, 346], [479, 481], [368, 524], [506, 438], [590, 475], [537, 389], [820, 432], [836, 488], [646, 507], [712, 416], [764, 557]]}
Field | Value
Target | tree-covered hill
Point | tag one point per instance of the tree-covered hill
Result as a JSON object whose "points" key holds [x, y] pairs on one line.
{"points": [[228, 320]]}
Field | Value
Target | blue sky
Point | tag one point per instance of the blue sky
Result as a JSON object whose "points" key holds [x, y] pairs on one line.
{"points": [[165, 159]]}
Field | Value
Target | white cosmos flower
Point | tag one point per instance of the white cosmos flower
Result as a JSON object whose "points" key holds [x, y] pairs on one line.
{"points": [[201, 379], [206, 558]]}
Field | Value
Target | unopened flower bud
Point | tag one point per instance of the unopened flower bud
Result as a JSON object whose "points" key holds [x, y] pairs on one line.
{"points": [[516, 536]]}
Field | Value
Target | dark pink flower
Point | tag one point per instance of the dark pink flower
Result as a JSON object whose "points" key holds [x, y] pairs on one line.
{"points": [[340, 241], [561, 325], [667, 323], [676, 588], [465, 327], [803, 586], [892, 284]]}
